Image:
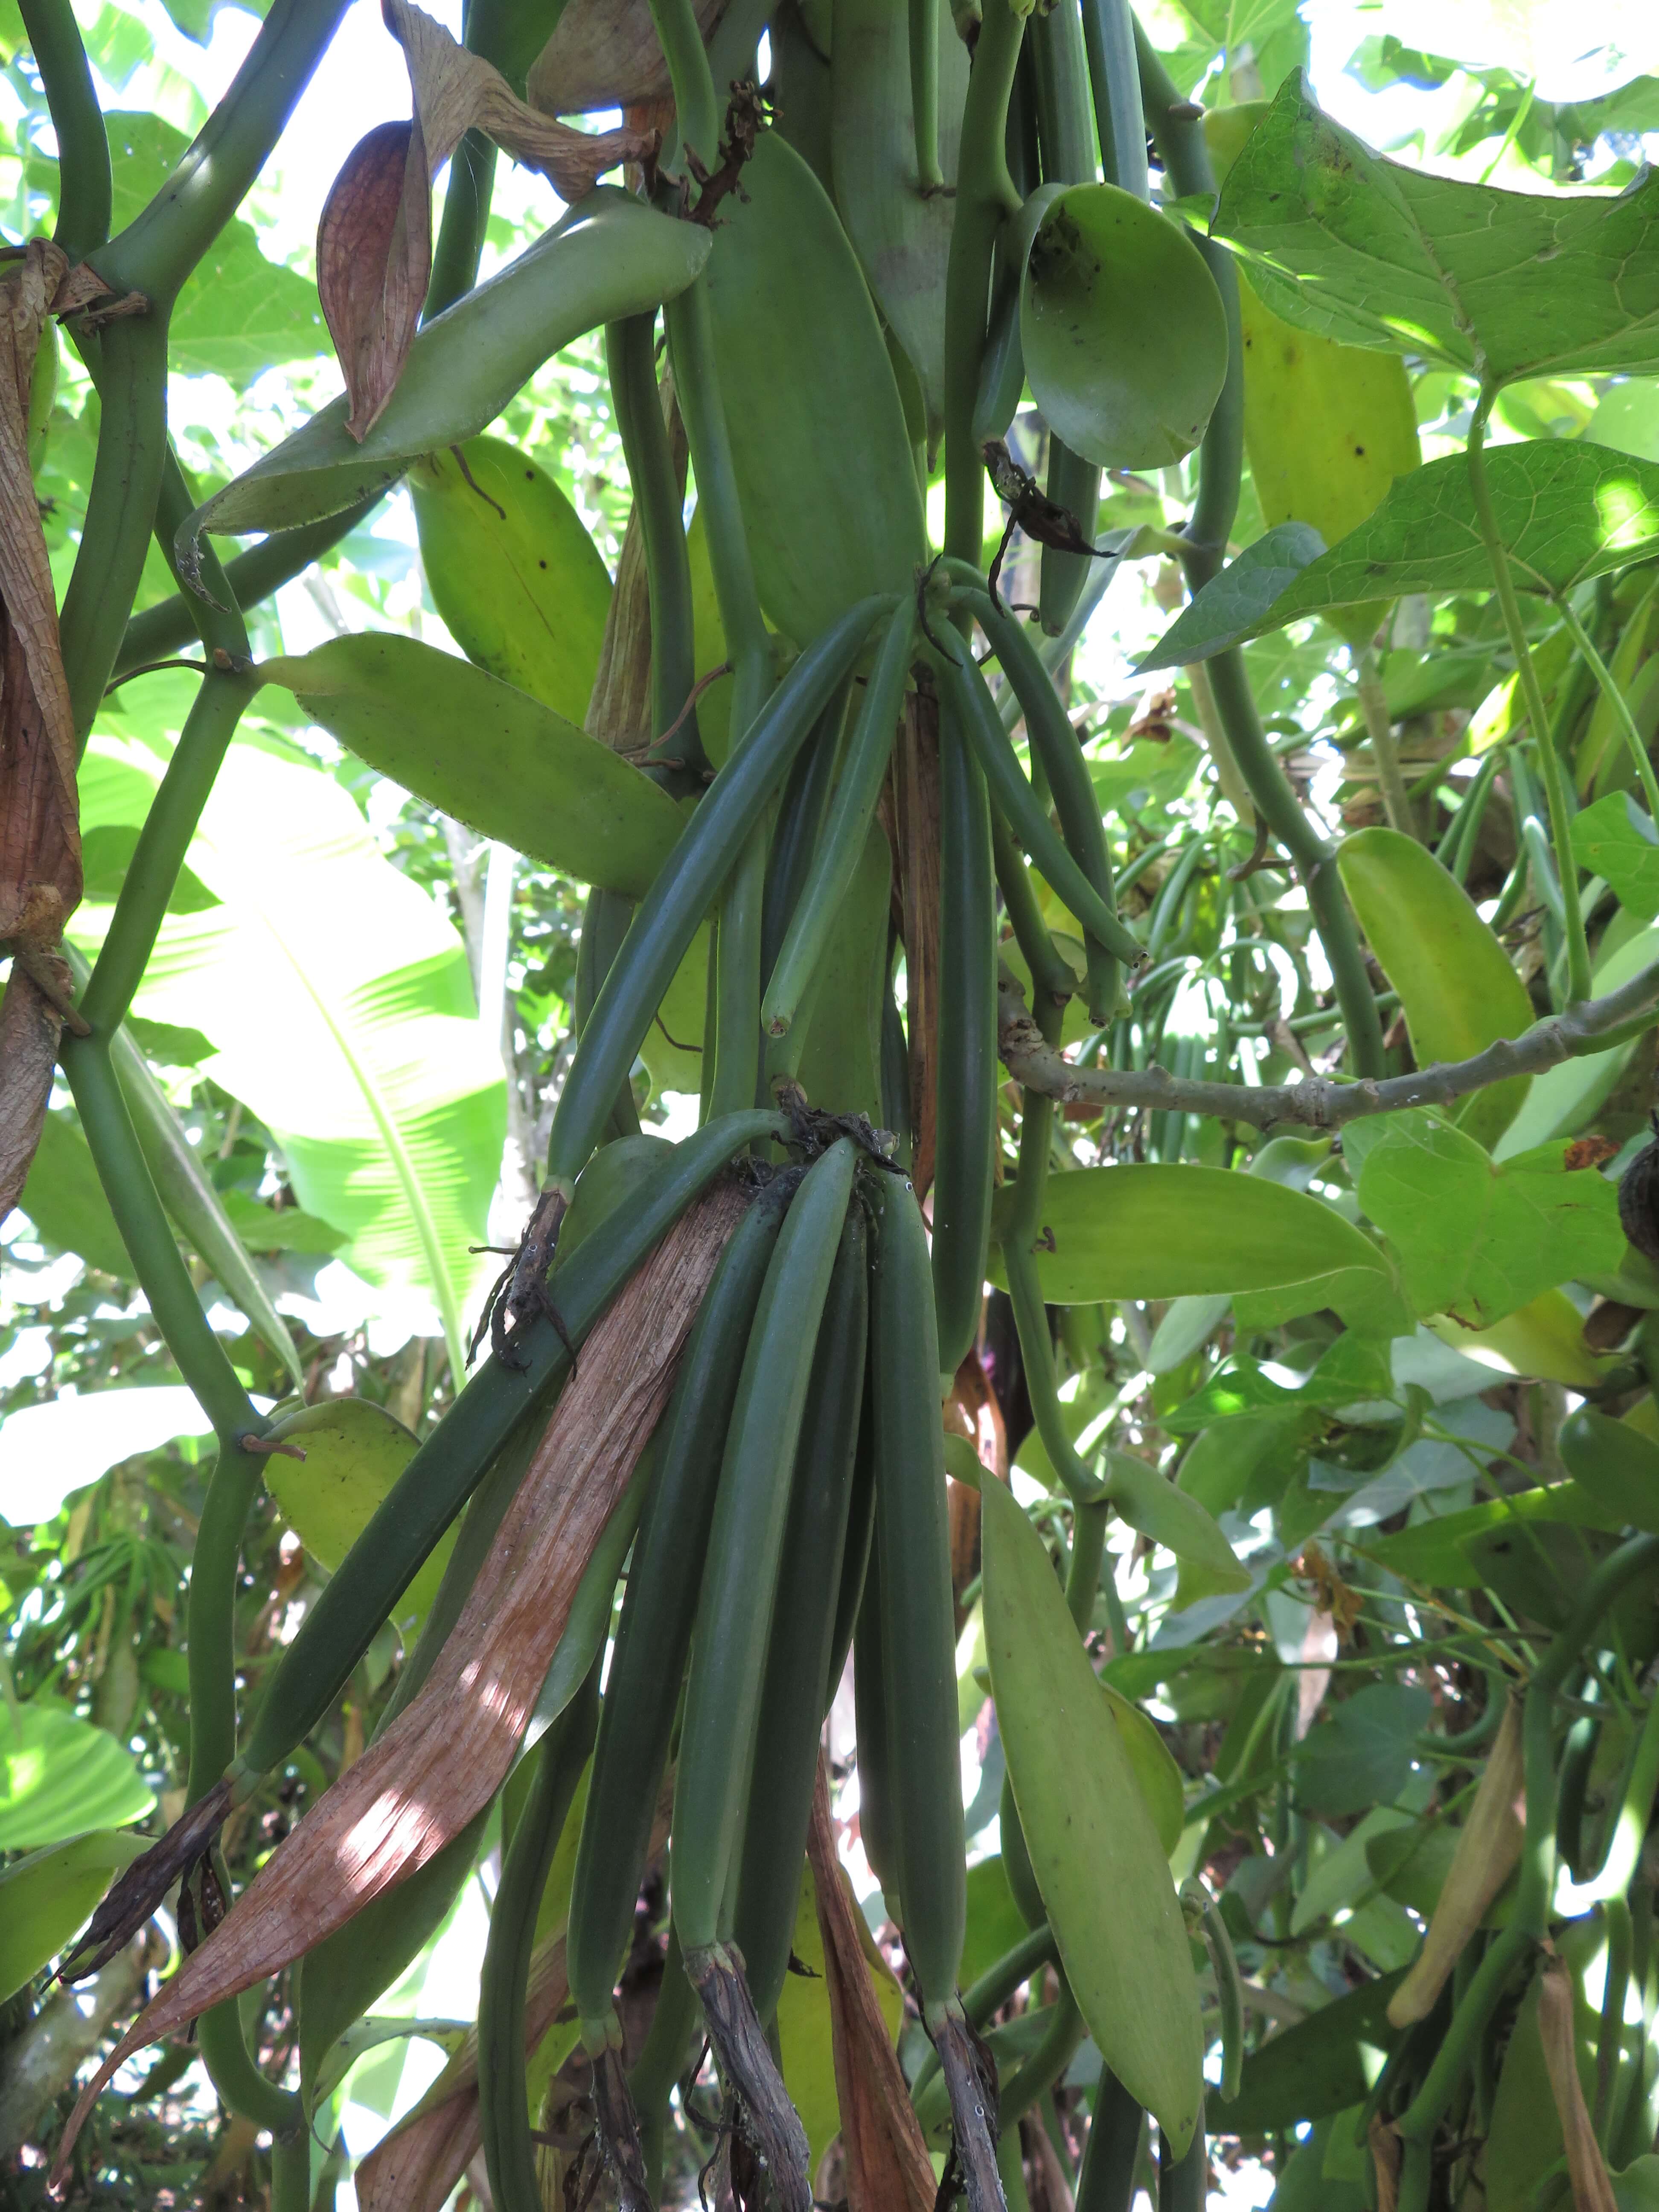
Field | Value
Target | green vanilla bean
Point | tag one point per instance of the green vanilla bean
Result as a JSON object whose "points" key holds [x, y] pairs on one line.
{"points": [[84, 188], [1109, 36], [1051, 975]]}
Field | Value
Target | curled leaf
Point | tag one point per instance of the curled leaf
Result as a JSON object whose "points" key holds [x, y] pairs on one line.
{"points": [[888, 2168], [375, 241], [444, 1757], [605, 53], [40, 820]]}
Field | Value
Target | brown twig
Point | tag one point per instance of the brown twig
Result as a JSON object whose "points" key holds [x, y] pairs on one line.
{"points": [[1318, 1104]]}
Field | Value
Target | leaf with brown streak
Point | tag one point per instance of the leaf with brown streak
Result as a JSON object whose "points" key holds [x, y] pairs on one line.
{"points": [[375, 241], [40, 819], [1592, 2190], [445, 1755], [888, 2168], [971, 1411]]}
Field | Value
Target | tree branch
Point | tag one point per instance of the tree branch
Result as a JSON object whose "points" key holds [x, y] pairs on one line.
{"points": [[1593, 1025]]}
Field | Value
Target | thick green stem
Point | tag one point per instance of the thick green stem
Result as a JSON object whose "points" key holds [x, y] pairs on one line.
{"points": [[158, 250], [1379, 728], [630, 352], [985, 197], [695, 105], [461, 233], [1108, 32], [737, 950], [83, 168], [1083, 1568], [1619, 706], [244, 2090], [1532, 693], [129, 364], [251, 576], [147, 1237], [924, 91]]}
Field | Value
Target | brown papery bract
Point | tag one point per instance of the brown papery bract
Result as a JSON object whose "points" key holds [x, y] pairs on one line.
{"points": [[888, 2168], [375, 241], [39, 819], [606, 53], [414, 2167], [1592, 2190], [445, 1755]]}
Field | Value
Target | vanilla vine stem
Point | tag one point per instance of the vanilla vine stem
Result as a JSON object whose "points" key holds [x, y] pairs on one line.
{"points": [[1592, 1025]]}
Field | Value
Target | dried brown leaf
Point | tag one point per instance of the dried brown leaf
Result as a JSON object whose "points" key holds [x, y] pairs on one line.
{"points": [[1386, 2161], [1592, 2191], [414, 2167], [374, 243], [374, 261], [40, 818], [888, 2168], [605, 53], [444, 1757]]}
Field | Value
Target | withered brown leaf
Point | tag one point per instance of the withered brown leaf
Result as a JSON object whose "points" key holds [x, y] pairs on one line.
{"points": [[445, 1755], [888, 2168], [40, 818], [605, 53], [375, 241]]}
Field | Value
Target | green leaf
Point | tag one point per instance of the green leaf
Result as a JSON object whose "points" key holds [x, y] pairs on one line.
{"points": [[342, 1003], [1432, 1552], [1098, 1861], [610, 257], [1457, 986], [487, 753], [238, 313], [902, 239], [825, 470], [1123, 330], [60, 1777], [1615, 839], [1322, 2064], [65, 1200], [1503, 284], [1566, 511], [1168, 1232], [1174, 1518], [1478, 1240], [1361, 1755], [266, 1229], [519, 582], [47, 1899]]}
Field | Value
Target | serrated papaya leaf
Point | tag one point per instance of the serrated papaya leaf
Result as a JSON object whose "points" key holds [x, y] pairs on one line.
{"points": [[1504, 283], [825, 477], [487, 753], [1097, 1856], [1168, 1232], [375, 241], [606, 53], [1567, 511], [901, 233], [1457, 988], [47, 1899], [521, 584], [888, 2167], [609, 257], [441, 1762], [1123, 331]]}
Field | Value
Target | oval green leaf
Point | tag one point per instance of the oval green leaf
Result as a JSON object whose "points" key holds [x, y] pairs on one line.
{"points": [[825, 476], [1098, 1860], [515, 576], [1155, 1508], [487, 753], [1171, 1232], [1455, 984], [1123, 330], [354, 1450], [60, 1777], [47, 1899]]}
